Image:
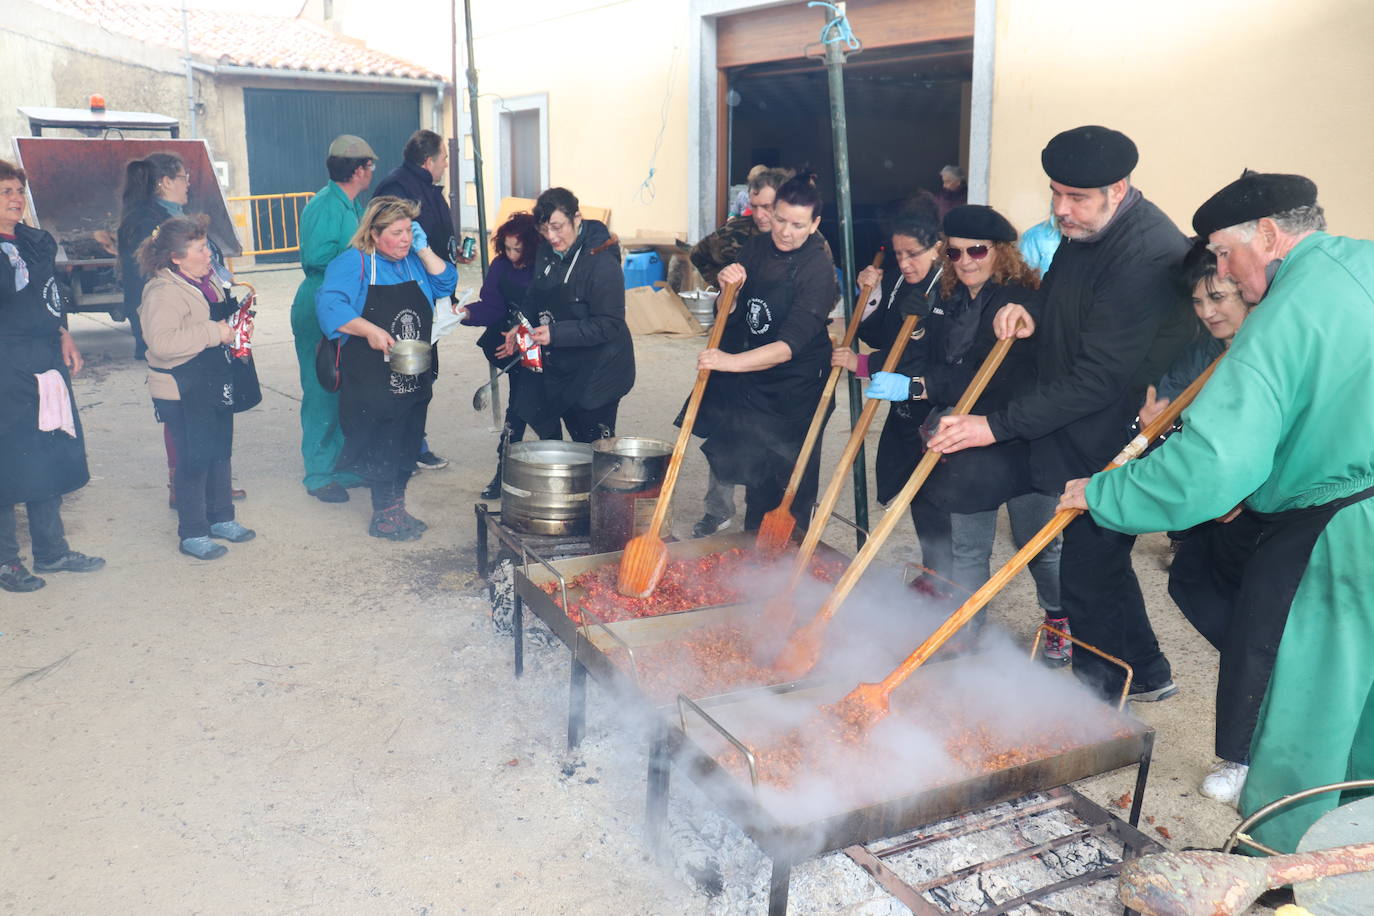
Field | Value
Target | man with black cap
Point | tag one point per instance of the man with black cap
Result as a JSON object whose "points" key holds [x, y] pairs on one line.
{"points": [[327, 226], [1282, 425], [1108, 320]]}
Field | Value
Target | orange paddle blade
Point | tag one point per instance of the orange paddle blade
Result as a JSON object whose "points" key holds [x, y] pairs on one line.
{"points": [[642, 565], [802, 651], [775, 530], [862, 708]]}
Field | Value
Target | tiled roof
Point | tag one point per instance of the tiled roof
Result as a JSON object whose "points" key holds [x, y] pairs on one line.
{"points": [[242, 39]]}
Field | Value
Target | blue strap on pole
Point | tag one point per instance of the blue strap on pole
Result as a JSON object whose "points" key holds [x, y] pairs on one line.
{"points": [[836, 29]]}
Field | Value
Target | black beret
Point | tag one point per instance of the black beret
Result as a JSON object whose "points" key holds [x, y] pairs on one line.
{"points": [[1089, 157], [974, 221], [1253, 195]]}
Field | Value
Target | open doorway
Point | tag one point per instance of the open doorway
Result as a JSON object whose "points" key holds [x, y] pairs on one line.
{"points": [[907, 109]]}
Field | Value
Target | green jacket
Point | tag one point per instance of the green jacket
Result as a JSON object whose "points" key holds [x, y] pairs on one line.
{"points": [[327, 226], [1285, 423]]}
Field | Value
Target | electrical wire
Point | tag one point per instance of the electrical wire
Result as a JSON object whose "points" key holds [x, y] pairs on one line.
{"points": [[645, 192], [837, 29]]}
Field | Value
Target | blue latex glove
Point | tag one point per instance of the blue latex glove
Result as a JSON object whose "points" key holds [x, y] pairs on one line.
{"points": [[889, 386], [418, 238]]}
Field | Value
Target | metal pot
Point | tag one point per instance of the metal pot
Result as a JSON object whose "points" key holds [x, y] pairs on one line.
{"points": [[546, 486], [702, 304], [627, 474], [410, 357]]}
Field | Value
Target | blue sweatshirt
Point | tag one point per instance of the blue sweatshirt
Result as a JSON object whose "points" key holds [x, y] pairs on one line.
{"points": [[348, 276]]}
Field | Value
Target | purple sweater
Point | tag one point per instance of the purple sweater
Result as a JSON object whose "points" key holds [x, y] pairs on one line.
{"points": [[491, 307]]}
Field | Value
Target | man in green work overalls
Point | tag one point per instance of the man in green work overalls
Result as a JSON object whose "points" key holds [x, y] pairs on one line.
{"points": [[1283, 426], [327, 226]]}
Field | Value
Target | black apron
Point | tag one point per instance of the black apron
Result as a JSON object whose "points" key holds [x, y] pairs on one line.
{"points": [[1257, 610], [378, 407], [34, 465], [543, 397], [899, 444], [754, 422], [206, 385]]}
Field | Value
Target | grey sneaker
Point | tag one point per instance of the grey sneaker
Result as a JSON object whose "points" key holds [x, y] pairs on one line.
{"points": [[232, 531], [202, 548], [71, 561], [1142, 694], [15, 578]]}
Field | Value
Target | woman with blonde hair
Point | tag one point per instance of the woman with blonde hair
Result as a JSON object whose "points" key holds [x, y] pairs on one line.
{"points": [[377, 292], [984, 271]]}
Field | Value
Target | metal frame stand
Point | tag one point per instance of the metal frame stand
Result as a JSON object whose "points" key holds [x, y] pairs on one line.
{"points": [[1099, 821]]}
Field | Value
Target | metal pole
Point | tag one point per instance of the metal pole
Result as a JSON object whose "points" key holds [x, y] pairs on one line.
{"points": [[497, 415], [834, 65], [190, 76]]}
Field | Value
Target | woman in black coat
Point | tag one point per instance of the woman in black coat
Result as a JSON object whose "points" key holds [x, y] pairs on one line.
{"points": [[908, 285], [985, 271], [574, 313], [768, 372]]}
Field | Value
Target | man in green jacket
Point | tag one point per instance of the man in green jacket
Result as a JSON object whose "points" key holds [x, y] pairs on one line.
{"points": [[327, 226], [1283, 426]]}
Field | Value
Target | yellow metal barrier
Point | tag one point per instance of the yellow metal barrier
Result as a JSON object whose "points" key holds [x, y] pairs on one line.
{"points": [[275, 220]]}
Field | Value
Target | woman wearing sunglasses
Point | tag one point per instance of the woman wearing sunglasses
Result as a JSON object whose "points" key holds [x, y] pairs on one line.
{"points": [[984, 271]]}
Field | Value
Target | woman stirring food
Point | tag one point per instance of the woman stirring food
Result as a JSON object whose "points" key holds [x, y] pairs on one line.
{"points": [[767, 374], [378, 292]]}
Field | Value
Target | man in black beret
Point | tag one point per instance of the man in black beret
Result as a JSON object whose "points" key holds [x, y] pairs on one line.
{"points": [[1282, 426], [1108, 321]]}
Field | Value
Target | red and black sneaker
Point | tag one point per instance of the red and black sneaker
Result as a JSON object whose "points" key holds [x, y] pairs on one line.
{"points": [[391, 523], [1058, 650]]}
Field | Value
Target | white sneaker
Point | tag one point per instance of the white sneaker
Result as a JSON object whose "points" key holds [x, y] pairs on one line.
{"points": [[1225, 782]]}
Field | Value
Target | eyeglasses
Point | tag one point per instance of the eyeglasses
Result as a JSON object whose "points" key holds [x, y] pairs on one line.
{"points": [[976, 252]]}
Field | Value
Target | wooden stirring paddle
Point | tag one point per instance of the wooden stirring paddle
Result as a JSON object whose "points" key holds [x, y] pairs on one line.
{"points": [[775, 529], [646, 556], [803, 650], [780, 611], [1219, 884], [869, 702]]}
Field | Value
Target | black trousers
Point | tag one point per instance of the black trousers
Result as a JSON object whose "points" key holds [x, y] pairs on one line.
{"points": [[204, 490], [46, 534], [1102, 600], [763, 497], [584, 424], [387, 461]]}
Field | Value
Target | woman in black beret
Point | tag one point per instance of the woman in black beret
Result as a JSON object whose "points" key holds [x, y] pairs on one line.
{"points": [[984, 271]]}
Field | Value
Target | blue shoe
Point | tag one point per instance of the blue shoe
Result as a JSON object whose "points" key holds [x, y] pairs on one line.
{"points": [[232, 531], [202, 548]]}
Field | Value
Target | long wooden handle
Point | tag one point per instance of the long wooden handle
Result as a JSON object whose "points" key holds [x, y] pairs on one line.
{"points": [[979, 599], [897, 508], [724, 304], [1320, 863], [851, 449], [813, 432]]}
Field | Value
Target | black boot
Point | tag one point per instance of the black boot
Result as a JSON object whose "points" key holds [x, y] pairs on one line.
{"points": [[493, 489]]}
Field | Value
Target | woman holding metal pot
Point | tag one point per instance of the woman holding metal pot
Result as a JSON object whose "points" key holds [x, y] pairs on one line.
{"points": [[190, 379], [376, 295], [767, 374]]}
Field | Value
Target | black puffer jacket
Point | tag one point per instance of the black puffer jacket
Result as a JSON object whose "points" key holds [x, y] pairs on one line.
{"points": [[413, 182], [1108, 321], [590, 359], [134, 227]]}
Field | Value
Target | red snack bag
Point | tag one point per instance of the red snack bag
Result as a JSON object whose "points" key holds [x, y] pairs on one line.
{"points": [[242, 323], [531, 354]]}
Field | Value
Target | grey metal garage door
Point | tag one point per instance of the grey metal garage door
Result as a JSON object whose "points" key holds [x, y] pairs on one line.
{"points": [[289, 132]]}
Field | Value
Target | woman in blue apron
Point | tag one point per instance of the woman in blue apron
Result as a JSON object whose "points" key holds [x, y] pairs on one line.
{"points": [[381, 291], [37, 465], [767, 374]]}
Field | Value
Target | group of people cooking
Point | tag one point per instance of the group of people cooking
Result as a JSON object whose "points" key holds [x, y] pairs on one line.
{"points": [[1265, 484]]}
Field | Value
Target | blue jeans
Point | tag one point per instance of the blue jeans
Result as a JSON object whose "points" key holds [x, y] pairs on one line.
{"points": [[971, 538]]}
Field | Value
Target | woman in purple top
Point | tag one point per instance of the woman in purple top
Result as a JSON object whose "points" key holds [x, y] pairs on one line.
{"points": [[503, 290]]}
